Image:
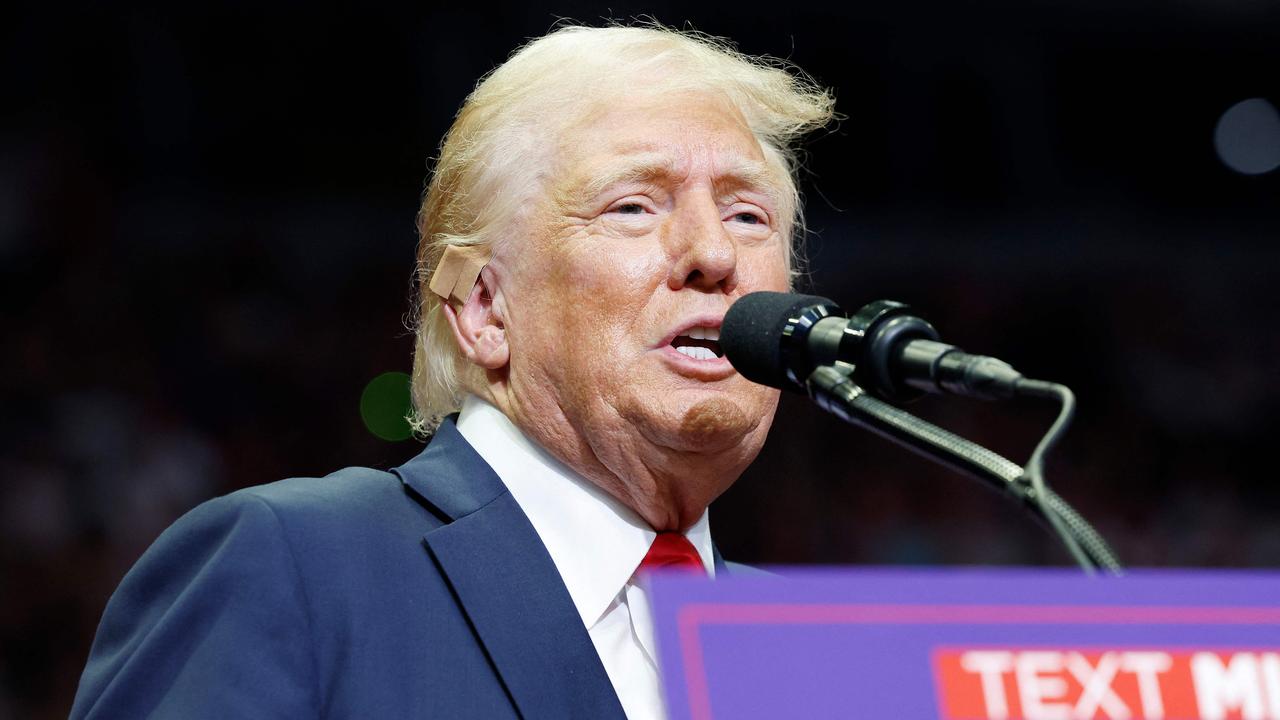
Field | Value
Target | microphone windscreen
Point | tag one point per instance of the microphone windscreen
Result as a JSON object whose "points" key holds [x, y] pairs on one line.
{"points": [[752, 335]]}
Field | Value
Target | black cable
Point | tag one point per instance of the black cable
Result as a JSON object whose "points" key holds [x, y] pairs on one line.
{"points": [[1079, 537], [1088, 537], [833, 389], [1034, 470]]}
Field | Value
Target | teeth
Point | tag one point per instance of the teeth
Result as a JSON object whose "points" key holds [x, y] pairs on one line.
{"points": [[702, 333], [697, 353]]}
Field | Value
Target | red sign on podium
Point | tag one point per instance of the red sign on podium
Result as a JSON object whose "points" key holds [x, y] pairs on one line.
{"points": [[1047, 683]]}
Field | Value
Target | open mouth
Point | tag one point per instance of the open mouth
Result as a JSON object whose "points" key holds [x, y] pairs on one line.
{"points": [[699, 343]]}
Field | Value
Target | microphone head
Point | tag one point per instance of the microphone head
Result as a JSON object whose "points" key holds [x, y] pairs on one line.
{"points": [[755, 333]]}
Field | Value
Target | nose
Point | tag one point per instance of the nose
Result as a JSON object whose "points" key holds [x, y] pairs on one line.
{"points": [[705, 253]]}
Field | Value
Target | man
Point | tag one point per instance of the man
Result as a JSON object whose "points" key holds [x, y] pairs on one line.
{"points": [[600, 201]]}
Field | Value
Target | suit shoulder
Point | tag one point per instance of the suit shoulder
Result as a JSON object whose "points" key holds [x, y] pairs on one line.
{"points": [[357, 493], [352, 490], [353, 502], [296, 506]]}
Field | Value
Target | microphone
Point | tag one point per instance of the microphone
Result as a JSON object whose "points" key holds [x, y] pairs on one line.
{"points": [[779, 339]]}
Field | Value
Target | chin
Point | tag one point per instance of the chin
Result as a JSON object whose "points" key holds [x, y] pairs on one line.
{"points": [[713, 423]]}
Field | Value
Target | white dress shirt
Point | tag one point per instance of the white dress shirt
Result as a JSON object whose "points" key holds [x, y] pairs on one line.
{"points": [[595, 542]]}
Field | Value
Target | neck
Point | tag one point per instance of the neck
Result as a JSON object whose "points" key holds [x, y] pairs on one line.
{"points": [[666, 487]]}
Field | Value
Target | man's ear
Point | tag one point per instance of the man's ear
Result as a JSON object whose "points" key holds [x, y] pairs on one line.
{"points": [[477, 329]]}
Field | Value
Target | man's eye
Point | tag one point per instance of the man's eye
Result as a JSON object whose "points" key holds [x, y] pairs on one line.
{"points": [[748, 218], [630, 209]]}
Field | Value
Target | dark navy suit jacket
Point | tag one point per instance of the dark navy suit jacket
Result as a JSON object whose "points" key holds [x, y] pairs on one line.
{"points": [[420, 592]]}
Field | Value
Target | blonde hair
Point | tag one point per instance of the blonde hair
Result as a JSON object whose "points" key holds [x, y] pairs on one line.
{"points": [[489, 160]]}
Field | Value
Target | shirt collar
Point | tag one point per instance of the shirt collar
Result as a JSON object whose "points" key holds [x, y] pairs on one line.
{"points": [[594, 540]]}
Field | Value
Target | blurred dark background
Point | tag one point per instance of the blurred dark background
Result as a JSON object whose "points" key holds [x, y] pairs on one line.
{"points": [[206, 247]]}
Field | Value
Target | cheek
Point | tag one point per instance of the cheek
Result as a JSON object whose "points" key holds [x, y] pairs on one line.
{"points": [[765, 268], [613, 268], [580, 309], [609, 285]]}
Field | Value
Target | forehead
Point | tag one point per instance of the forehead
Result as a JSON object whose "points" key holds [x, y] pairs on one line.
{"points": [[647, 137]]}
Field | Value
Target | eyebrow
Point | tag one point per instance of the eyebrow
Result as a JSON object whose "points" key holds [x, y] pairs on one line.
{"points": [[751, 175], [649, 167], [639, 168]]}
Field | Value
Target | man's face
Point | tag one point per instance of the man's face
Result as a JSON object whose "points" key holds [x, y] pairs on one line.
{"points": [[658, 215]]}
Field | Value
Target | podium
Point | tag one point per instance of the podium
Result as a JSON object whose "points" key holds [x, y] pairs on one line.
{"points": [[970, 644]]}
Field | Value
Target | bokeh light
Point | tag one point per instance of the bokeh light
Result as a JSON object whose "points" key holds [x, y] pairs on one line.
{"points": [[1248, 137], [385, 406]]}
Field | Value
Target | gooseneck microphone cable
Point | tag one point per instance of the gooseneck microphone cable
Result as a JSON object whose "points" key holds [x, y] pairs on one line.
{"points": [[1074, 530], [1034, 469]]}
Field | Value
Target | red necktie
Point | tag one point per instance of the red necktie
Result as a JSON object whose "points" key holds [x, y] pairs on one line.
{"points": [[672, 550]]}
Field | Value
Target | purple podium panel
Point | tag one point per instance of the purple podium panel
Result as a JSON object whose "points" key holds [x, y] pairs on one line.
{"points": [[970, 644]]}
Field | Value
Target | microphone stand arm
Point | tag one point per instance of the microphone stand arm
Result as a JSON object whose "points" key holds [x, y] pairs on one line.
{"points": [[832, 388]]}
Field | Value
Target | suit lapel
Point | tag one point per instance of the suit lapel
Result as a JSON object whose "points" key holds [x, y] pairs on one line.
{"points": [[717, 559], [508, 586]]}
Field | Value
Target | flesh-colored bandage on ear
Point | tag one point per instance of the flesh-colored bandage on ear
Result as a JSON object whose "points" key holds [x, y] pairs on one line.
{"points": [[457, 271]]}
